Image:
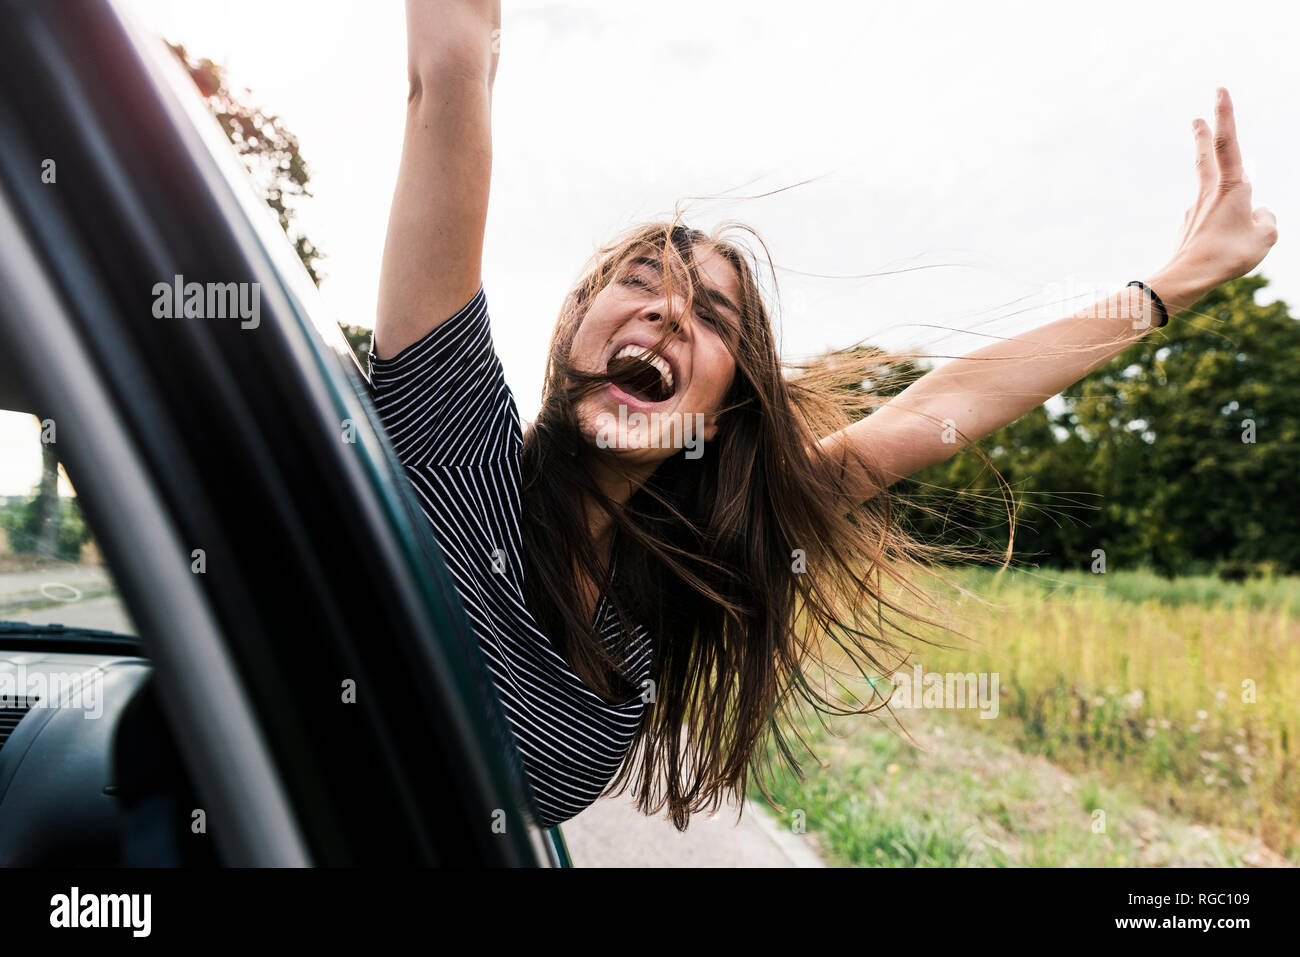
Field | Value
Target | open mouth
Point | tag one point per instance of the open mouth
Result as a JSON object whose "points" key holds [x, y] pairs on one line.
{"points": [[642, 375]]}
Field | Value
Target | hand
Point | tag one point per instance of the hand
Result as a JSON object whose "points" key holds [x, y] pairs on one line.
{"points": [[1222, 237]]}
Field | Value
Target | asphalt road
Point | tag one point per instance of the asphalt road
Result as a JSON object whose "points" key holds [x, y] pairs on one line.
{"points": [[611, 833], [79, 596]]}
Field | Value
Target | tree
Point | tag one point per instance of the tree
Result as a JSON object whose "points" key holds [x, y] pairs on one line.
{"points": [[1181, 452], [1197, 435], [46, 514], [269, 150], [44, 524], [359, 339]]}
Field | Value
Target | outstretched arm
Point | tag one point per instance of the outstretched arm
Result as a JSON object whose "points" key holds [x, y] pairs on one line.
{"points": [[434, 248], [1222, 238]]}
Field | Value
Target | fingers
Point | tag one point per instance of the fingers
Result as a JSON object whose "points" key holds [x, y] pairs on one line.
{"points": [[1226, 149], [1207, 174]]}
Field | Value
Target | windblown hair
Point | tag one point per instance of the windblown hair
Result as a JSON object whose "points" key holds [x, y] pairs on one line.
{"points": [[760, 584]]}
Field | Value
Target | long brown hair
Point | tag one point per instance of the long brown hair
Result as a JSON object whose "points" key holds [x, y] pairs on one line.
{"points": [[761, 586]]}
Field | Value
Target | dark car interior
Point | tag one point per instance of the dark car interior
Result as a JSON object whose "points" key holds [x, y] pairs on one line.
{"points": [[94, 779]]}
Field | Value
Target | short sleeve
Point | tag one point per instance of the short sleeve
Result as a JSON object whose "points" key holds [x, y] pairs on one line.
{"points": [[443, 399]]}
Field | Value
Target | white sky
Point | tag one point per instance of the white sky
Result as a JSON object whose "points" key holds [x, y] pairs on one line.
{"points": [[1019, 148]]}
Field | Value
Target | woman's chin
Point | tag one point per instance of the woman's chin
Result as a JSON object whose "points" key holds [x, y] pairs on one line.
{"points": [[640, 438]]}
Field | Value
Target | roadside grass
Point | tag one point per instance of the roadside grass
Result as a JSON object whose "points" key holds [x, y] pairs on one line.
{"points": [[1170, 699], [968, 799]]}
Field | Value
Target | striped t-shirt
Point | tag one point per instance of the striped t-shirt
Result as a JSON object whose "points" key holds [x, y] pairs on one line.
{"points": [[455, 427]]}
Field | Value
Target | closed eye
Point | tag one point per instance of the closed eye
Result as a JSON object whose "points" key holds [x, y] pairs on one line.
{"points": [[631, 279]]}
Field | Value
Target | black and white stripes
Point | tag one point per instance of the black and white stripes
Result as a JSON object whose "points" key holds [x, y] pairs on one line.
{"points": [[455, 426]]}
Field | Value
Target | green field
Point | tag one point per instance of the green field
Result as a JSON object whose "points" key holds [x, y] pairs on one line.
{"points": [[1140, 721]]}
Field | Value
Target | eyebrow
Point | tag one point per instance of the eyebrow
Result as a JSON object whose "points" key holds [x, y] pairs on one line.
{"points": [[716, 297]]}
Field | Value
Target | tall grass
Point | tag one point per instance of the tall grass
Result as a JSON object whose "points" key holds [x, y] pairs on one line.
{"points": [[1187, 691]]}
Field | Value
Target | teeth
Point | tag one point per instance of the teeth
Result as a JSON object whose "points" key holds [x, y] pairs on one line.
{"points": [[665, 370]]}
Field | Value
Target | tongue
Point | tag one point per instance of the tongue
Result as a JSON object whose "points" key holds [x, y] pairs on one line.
{"points": [[637, 378]]}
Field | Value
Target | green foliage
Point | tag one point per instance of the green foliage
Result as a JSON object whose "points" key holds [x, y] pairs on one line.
{"points": [[22, 521], [1168, 711], [1178, 455], [359, 339]]}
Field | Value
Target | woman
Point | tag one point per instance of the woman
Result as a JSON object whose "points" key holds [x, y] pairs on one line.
{"points": [[661, 564]]}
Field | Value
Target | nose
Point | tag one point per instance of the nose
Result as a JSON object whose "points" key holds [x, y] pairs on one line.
{"points": [[671, 314]]}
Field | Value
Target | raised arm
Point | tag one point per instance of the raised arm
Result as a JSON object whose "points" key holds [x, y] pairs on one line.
{"points": [[433, 251], [1222, 238]]}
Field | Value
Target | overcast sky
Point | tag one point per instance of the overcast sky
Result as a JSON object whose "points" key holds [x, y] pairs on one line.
{"points": [[1016, 148]]}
